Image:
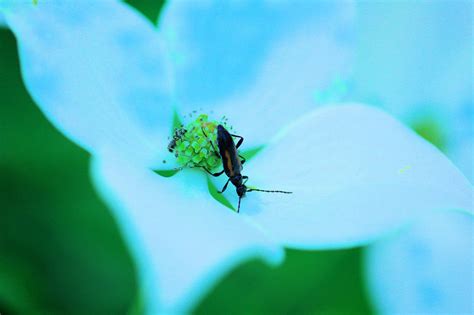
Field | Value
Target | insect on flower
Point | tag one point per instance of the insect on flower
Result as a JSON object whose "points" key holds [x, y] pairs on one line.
{"points": [[178, 134], [232, 163]]}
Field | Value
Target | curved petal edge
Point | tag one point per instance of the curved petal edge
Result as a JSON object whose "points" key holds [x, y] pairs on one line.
{"points": [[356, 174]]}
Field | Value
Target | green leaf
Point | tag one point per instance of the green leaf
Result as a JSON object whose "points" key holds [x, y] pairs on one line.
{"points": [[17, 283], [219, 197], [251, 152], [149, 8], [430, 128], [319, 282], [166, 173], [177, 122]]}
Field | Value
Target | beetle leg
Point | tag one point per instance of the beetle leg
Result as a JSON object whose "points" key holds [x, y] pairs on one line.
{"points": [[213, 174], [225, 187], [245, 178], [242, 159], [212, 144], [240, 140]]}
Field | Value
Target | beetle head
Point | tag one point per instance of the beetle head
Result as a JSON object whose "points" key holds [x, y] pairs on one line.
{"points": [[241, 190]]}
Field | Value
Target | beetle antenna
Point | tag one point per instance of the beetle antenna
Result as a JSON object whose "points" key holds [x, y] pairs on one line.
{"points": [[270, 191], [238, 208]]}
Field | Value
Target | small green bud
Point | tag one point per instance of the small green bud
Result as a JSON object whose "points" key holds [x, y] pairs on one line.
{"points": [[182, 159], [197, 158], [192, 143], [196, 146]]}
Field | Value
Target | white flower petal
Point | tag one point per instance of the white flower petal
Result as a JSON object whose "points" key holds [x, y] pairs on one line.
{"points": [[427, 268], [184, 240], [463, 153], [355, 173], [252, 59], [423, 56], [95, 69]]}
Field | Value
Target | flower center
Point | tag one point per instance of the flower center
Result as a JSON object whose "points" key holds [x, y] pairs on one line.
{"points": [[195, 145]]}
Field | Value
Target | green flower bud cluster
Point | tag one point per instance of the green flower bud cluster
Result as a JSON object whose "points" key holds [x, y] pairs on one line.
{"points": [[192, 143]]}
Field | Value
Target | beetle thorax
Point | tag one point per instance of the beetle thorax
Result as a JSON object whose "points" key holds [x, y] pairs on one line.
{"points": [[236, 180], [241, 190]]}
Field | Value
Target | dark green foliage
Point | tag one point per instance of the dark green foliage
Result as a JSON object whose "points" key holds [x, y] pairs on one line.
{"points": [[149, 8], [320, 282]]}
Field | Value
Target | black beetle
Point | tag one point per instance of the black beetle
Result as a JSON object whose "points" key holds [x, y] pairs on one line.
{"points": [[232, 163]]}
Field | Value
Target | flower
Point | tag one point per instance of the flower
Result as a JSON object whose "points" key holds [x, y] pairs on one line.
{"points": [[100, 73]]}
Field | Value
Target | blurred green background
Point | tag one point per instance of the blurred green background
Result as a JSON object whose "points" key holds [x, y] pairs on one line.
{"points": [[61, 251]]}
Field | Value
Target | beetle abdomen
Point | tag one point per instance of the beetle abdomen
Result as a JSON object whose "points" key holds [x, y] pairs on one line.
{"points": [[228, 152]]}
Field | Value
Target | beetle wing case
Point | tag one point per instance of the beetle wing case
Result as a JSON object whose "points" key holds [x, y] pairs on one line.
{"points": [[228, 152]]}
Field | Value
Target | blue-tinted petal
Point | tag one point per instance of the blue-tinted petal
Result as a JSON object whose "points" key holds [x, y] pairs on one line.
{"points": [[426, 268], [463, 154], [461, 142], [421, 62], [95, 69], [355, 173], [421, 58], [3, 23], [183, 239], [245, 59]]}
